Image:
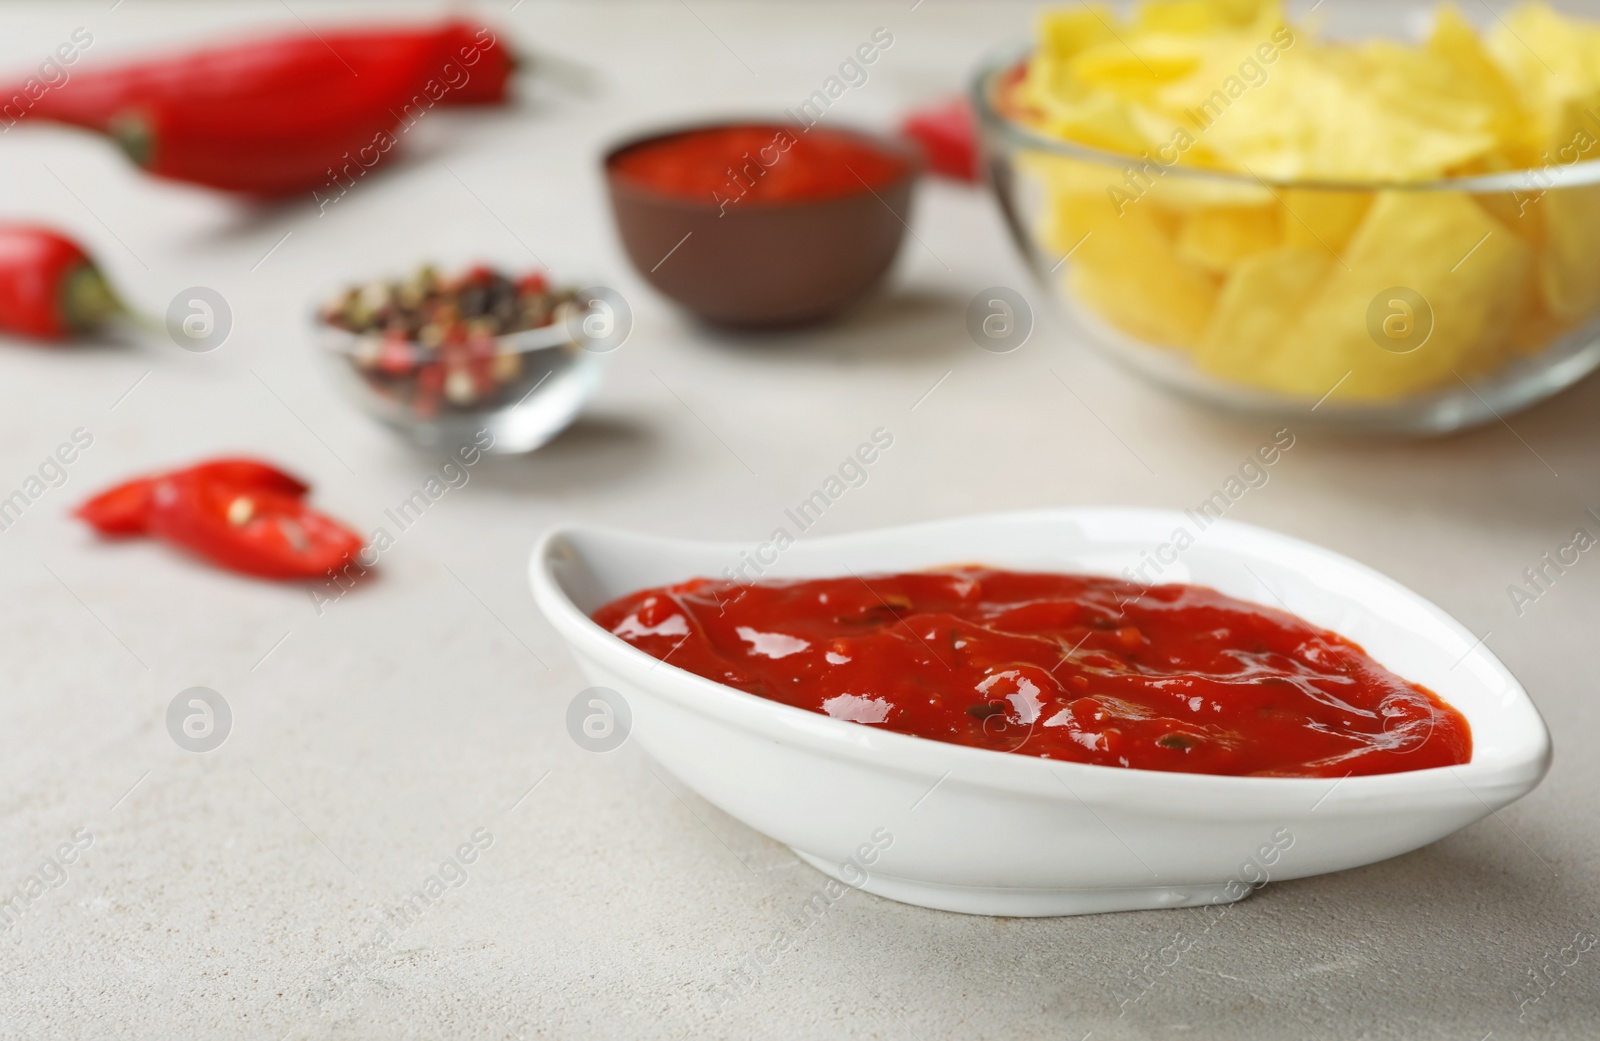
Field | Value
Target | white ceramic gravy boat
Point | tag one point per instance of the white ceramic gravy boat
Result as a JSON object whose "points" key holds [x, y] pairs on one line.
{"points": [[984, 832]]}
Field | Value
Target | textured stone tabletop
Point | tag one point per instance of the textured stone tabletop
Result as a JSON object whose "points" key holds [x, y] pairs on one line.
{"points": [[415, 727]]}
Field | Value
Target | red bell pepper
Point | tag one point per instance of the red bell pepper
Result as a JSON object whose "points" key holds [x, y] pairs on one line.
{"points": [[947, 134], [49, 287], [125, 509], [240, 514]]}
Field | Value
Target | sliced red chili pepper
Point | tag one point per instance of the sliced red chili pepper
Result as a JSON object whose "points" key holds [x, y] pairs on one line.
{"points": [[125, 509], [49, 288], [250, 473], [948, 137], [122, 510], [252, 530]]}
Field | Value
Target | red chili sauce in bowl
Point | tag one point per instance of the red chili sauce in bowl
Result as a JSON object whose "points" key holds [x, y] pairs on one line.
{"points": [[758, 164], [1067, 667]]}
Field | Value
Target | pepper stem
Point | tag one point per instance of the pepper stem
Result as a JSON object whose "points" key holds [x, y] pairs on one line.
{"points": [[132, 135], [87, 299]]}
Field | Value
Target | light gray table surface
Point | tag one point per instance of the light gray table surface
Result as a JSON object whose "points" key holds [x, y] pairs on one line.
{"points": [[222, 891]]}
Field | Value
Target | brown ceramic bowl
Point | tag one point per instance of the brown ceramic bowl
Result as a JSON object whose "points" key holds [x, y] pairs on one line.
{"points": [[759, 263]]}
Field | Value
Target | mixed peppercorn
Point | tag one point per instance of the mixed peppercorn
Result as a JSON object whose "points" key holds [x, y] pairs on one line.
{"points": [[434, 342]]}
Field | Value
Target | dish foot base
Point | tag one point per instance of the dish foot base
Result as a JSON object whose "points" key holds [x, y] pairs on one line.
{"points": [[1029, 903]]}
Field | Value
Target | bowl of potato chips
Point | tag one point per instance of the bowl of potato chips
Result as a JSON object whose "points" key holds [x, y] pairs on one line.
{"points": [[1397, 229]]}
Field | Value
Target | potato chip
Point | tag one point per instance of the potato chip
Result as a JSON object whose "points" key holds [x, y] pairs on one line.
{"points": [[1065, 32], [1100, 122], [1569, 265], [1322, 219], [1470, 72], [1138, 72], [1321, 116], [1129, 272], [1534, 329], [1136, 299], [1257, 308], [1519, 211], [1554, 62], [1198, 17], [1472, 273], [1219, 238]]}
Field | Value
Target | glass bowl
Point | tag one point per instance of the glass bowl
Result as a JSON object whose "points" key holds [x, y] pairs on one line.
{"points": [[1415, 307], [521, 392]]}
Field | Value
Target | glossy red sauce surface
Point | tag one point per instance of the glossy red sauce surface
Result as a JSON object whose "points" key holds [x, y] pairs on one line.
{"points": [[724, 165], [1068, 667]]}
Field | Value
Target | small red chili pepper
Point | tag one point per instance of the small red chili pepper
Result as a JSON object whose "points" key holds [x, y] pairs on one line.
{"points": [[49, 287], [254, 69], [489, 64], [236, 513], [470, 62], [124, 510], [948, 137], [297, 139], [286, 115]]}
